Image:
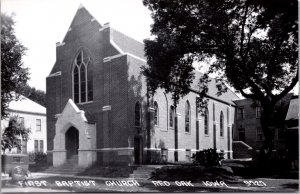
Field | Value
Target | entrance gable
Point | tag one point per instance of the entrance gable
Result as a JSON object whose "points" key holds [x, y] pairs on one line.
{"points": [[72, 116]]}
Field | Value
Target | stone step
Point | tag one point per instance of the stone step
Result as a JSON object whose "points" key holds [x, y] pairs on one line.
{"points": [[64, 171], [59, 172], [142, 171], [65, 168], [139, 176], [145, 168]]}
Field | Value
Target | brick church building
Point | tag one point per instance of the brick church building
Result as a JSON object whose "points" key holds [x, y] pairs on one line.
{"points": [[98, 110]]}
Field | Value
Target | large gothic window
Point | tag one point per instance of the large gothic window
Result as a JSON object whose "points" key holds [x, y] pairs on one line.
{"points": [[187, 117], [82, 78], [138, 114]]}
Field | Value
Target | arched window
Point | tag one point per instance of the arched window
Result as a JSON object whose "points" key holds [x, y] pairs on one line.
{"points": [[172, 116], [187, 117], [82, 78], [221, 124], [206, 124], [138, 114], [156, 114]]}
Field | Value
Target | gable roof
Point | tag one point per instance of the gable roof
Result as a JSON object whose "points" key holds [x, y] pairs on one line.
{"points": [[81, 16], [26, 105], [127, 44], [228, 96], [293, 111]]}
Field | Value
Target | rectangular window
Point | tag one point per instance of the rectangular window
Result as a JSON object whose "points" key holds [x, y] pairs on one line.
{"points": [[258, 112], [41, 146], [259, 134], [36, 145], [241, 113], [21, 119], [38, 125]]}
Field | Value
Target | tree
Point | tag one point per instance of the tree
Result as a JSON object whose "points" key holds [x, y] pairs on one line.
{"points": [[253, 46], [33, 94], [13, 74], [12, 134]]}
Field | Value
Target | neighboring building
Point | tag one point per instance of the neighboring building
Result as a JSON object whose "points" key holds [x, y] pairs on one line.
{"points": [[33, 116], [292, 128], [98, 110], [248, 128]]}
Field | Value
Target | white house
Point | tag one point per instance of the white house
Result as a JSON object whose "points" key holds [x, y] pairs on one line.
{"points": [[34, 117]]}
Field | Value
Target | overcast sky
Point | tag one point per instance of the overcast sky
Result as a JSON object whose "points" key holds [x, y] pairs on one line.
{"points": [[42, 23]]}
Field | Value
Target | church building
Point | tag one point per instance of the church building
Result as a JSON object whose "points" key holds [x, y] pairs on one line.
{"points": [[98, 110]]}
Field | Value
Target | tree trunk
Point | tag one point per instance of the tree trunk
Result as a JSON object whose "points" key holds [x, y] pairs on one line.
{"points": [[265, 120]]}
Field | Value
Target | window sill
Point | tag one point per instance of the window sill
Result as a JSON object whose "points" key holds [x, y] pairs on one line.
{"points": [[206, 135], [163, 130], [82, 103]]}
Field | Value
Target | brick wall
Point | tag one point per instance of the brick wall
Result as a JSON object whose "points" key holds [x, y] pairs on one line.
{"points": [[118, 82]]}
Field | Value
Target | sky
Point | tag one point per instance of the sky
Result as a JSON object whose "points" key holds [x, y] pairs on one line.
{"points": [[40, 24]]}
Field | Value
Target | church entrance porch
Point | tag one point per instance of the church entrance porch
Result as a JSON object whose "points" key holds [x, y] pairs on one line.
{"points": [[75, 137]]}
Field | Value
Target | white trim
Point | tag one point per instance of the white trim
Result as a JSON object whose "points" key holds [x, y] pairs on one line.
{"points": [[106, 25], [107, 59], [88, 102], [93, 19], [58, 73], [109, 149], [116, 46], [151, 109], [58, 44], [106, 108], [58, 150], [178, 114], [172, 149], [125, 53], [129, 54], [70, 29], [249, 147]]}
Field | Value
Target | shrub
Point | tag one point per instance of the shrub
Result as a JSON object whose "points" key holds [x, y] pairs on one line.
{"points": [[37, 157], [208, 157]]}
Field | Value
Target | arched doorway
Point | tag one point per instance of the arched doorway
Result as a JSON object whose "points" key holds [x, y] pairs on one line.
{"points": [[72, 142]]}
